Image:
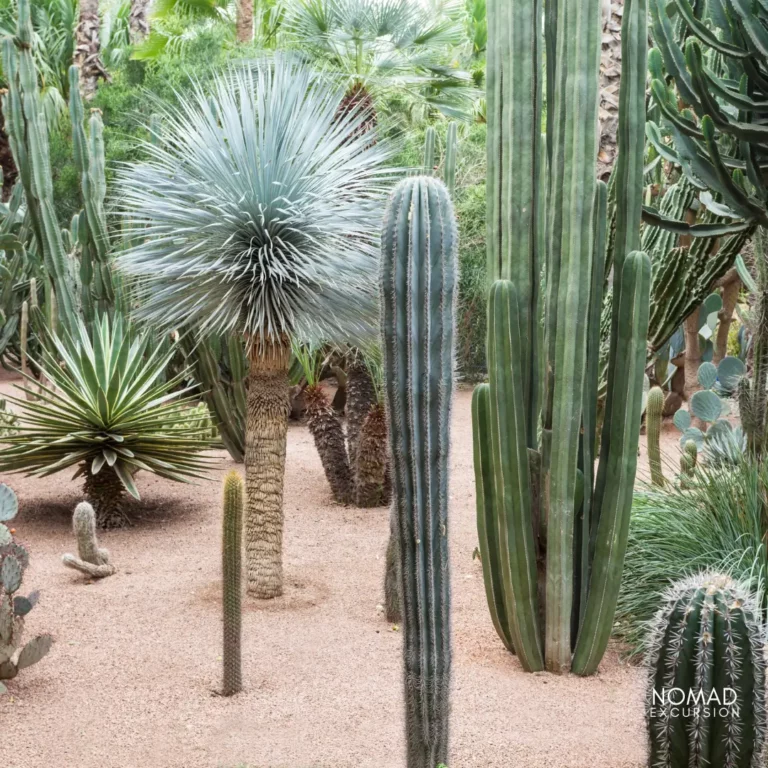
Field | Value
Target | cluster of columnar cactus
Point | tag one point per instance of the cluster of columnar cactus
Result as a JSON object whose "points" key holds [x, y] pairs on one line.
{"points": [[231, 552], [15, 655], [418, 292], [552, 534], [92, 560], [705, 702]]}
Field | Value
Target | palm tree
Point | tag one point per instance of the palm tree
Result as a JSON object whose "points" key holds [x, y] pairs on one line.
{"points": [[139, 20], [244, 21], [258, 214], [386, 48], [88, 48]]}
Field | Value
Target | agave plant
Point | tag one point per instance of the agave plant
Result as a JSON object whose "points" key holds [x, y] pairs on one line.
{"points": [[258, 213], [386, 47], [107, 411]]}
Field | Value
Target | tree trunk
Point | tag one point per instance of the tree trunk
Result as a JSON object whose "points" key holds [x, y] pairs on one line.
{"points": [[328, 434], [105, 492], [88, 48], [265, 435], [731, 286], [138, 21], [244, 22], [360, 398], [692, 354], [371, 468]]}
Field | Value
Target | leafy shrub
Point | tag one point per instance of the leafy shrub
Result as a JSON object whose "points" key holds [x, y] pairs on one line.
{"points": [[719, 523]]}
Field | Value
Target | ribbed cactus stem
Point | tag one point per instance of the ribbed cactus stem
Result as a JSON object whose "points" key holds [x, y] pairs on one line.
{"points": [[451, 147], [92, 559], [705, 702], [653, 416], [429, 150], [418, 290], [231, 551], [688, 459]]}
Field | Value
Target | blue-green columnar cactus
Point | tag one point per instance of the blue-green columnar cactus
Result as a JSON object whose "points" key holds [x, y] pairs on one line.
{"points": [[552, 532], [418, 292]]}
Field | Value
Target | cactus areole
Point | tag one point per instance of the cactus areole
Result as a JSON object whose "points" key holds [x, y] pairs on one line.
{"points": [[553, 530]]}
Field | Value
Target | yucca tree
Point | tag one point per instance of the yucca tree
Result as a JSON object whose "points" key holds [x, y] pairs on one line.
{"points": [[258, 215], [386, 47], [106, 409]]}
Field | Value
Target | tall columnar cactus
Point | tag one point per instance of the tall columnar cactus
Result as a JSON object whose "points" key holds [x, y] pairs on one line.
{"points": [[429, 150], [653, 415], [231, 578], [705, 703], [92, 559], [553, 536], [418, 290], [15, 656]]}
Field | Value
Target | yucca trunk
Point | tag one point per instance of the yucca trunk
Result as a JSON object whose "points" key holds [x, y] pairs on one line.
{"points": [[88, 48], [268, 405], [105, 492], [361, 395], [138, 20], [328, 434], [371, 470], [244, 21]]}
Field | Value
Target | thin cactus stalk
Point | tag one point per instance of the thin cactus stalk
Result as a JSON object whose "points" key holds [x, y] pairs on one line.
{"points": [[392, 609], [231, 582], [418, 289], [92, 559], [653, 417], [430, 136], [546, 524], [705, 701], [449, 170], [688, 459]]}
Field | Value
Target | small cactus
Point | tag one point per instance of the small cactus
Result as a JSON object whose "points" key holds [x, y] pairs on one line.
{"points": [[653, 416], [13, 608], [688, 460], [231, 568], [93, 560], [705, 702]]}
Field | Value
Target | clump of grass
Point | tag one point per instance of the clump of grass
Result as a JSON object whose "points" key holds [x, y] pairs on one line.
{"points": [[720, 522]]}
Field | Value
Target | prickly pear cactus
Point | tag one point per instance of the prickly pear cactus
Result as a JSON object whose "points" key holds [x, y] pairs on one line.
{"points": [[705, 702], [13, 607]]}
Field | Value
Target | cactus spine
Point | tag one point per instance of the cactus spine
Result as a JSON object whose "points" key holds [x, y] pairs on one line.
{"points": [[93, 560], [707, 647], [653, 415], [551, 536], [418, 290], [231, 551]]}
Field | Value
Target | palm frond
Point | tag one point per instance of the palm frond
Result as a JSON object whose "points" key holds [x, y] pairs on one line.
{"points": [[259, 210]]}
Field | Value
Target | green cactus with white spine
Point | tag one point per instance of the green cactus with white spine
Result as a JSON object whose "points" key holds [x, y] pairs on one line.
{"points": [[92, 559], [15, 655], [418, 290], [707, 653], [551, 533], [231, 581], [653, 417]]}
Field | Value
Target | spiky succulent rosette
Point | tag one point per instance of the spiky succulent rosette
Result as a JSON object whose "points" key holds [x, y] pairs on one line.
{"points": [[258, 210]]}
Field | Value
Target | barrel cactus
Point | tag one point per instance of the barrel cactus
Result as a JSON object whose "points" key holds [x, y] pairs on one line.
{"points": [[418, 290], [231, 552], [15, 656], [705, 702]]}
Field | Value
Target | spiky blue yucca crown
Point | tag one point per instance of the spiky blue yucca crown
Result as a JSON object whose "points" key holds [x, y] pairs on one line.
{"points": [[258, 211]]}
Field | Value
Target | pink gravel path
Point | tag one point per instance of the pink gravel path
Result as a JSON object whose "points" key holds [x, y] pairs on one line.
{"points": [[128, 682]]}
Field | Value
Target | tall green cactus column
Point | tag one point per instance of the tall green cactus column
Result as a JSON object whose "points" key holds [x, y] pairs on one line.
{"points": [[231, 560], [418, 293], [552, 537]]}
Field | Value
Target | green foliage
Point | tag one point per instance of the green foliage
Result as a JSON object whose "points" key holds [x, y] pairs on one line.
{"points": [[707, 651], [418, 271], [718, 523], [107, 407], [13, 607]]}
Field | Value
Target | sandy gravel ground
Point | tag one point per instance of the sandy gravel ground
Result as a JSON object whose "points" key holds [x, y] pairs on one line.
{"points": [[128, 682]]}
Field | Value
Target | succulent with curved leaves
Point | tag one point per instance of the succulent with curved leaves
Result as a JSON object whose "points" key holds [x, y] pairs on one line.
{"points": [[108, 412], [13, 608], [257, 213]]}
